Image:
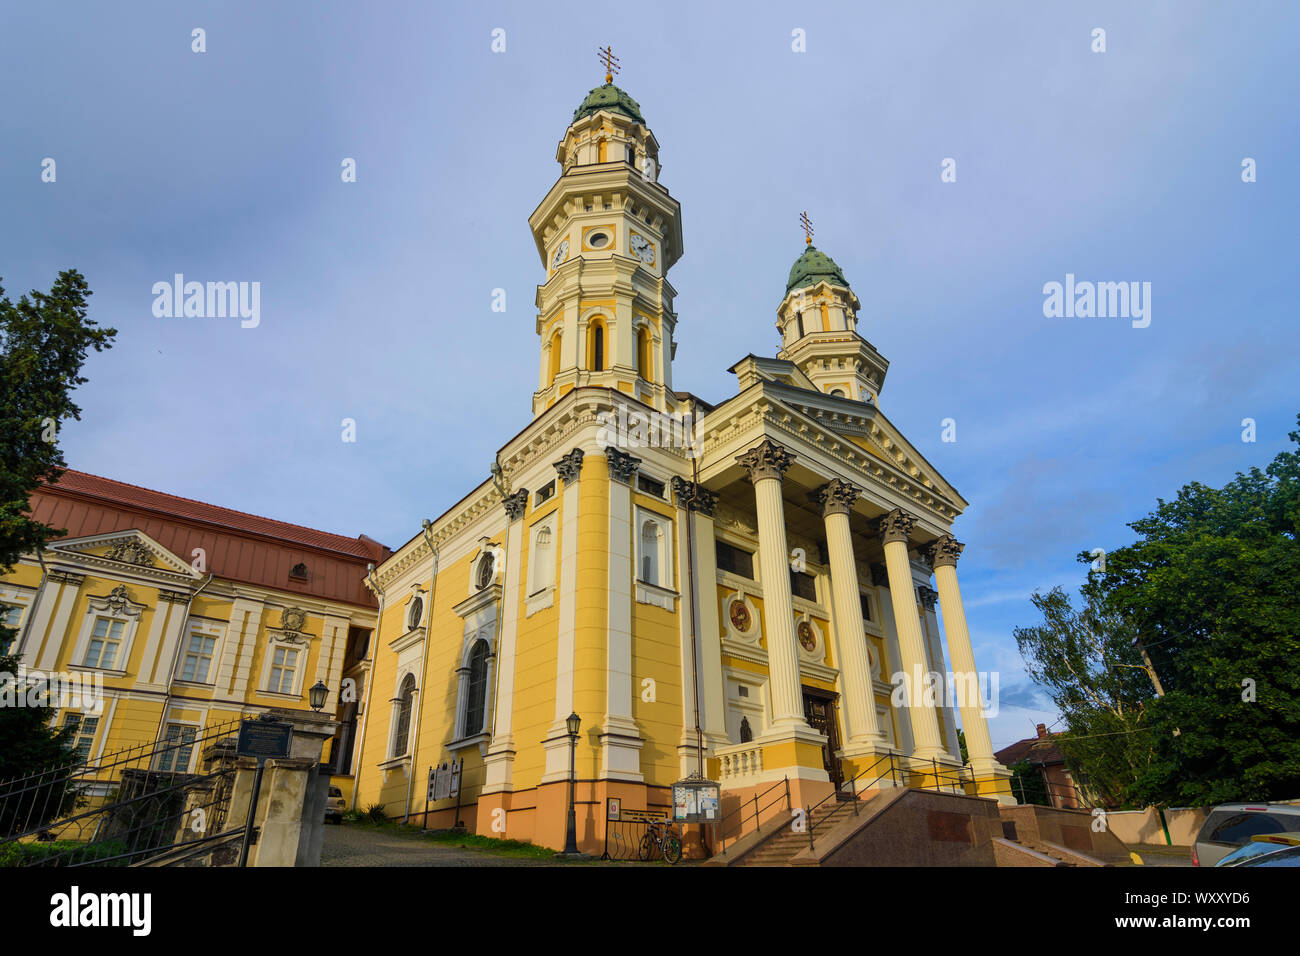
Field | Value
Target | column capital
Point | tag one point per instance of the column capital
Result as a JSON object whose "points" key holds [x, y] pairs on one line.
{"points": [[836, 497], [570, 466], [928, 596], [896, 526], [694, 497], [766, 460], [622, 466], [945, 552], [515, 504]]}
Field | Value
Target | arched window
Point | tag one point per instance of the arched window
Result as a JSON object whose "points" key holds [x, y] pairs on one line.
{"points": [[414, 613], [556, 341], [405, 704], [596, 347], [486, 570], [643, 354], [746, 734], [631, 155], [476, 690], [798, 317], [543, 559], [650, 552]]}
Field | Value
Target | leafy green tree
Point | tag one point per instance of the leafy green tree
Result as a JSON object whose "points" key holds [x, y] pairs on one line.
{"points": [[1028, 785], [1087, 663], [1210, 587], [44, 339]]}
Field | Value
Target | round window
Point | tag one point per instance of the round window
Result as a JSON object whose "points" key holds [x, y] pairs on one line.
{"points": [[598, 240]]}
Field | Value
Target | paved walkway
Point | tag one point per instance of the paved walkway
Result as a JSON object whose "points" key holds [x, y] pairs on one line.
{"points": [[365, 846]]}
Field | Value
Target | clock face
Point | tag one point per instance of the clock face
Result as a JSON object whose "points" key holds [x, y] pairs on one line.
{"points": [[642, 248], [561, 253]]}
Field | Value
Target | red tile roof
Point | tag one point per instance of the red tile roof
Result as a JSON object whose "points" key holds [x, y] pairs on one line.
{"points": [[239, 546]]}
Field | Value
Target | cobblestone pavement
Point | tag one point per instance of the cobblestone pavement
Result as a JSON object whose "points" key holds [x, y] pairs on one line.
{"points": [[364, 846]]}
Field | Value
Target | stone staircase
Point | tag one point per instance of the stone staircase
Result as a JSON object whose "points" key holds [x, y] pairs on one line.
{"points": [[779, 849]]}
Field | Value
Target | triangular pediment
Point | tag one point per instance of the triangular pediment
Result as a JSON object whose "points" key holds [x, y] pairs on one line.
{"points": [[863, 425], [126, 550]]}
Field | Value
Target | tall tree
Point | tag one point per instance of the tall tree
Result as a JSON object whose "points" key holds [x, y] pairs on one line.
{"points": [[1087, 663], [1210, 587], [44, 339]]}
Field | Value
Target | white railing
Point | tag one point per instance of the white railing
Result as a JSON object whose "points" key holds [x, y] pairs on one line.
{"points": [[740, 761]]}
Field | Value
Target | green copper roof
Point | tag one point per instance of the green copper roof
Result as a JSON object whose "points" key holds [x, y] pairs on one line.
{"points": [[812, 267], [609, 97]]}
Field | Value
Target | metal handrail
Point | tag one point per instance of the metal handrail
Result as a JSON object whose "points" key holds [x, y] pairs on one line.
{"points": [[758, 823]]}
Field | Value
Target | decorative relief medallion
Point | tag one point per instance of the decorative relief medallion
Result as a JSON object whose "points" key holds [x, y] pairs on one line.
{"points": [[739, 614], [807, 639], [131, 551]]}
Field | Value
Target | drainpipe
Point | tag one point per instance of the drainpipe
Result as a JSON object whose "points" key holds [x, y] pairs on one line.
{"points": [[370, 683], [171, 671], [503, 489], [426, 526]]}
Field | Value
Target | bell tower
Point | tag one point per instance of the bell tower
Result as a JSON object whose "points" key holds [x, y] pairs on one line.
{"points": [[818, 322], [607, 233]]}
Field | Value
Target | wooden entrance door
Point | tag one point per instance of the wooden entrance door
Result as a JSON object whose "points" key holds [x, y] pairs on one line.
{"points": [[819, 711]]}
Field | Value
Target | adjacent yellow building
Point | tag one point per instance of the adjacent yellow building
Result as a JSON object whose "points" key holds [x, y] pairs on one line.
{"points": [[180, 616]]}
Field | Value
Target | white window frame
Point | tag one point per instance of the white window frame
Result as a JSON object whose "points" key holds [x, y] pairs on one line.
{"points": [[541, 574], [100, 607], [76, 737], [663, 550], [207, 629], [396, 715], [278, 642], [162, 741]]}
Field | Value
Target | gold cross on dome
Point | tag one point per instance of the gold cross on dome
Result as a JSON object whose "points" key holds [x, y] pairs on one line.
{"points": [[807, 227], [607, 57]]}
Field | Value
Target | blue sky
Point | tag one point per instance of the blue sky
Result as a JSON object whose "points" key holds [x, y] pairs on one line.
{"points": [[1115, 166]]}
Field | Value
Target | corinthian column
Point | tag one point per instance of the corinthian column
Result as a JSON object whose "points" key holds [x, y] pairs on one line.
{"points": [[766, 464], [978, 745], [894, 529], [863, 730]]}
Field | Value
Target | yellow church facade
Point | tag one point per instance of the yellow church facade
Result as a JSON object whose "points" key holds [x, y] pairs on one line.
{"points": [[733, 590]]}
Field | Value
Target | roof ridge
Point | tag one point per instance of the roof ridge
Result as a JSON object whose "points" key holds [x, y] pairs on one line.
{"points": [[206, 504]]}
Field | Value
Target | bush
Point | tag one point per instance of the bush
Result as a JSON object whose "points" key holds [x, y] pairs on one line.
{"points": [[375, 813], [60, 853]]}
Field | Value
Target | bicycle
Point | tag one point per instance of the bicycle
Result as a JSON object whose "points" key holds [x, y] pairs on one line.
{"points": [[663, 837]]}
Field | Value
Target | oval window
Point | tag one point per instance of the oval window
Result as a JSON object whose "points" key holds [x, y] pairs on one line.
{"points": [[598, 240]]}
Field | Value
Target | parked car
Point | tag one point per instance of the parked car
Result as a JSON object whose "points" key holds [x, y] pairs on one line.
{"points": [[1233, 824], [334, 806], [1260, 845], [1287, 856]]}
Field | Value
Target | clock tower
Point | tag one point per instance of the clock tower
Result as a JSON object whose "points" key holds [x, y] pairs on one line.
{"points": [[607, 233]]}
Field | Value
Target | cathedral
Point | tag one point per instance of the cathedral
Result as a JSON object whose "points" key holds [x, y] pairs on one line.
{"points": [[743, 592]]}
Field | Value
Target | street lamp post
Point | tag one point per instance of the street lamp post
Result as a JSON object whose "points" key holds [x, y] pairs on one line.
{"points": [[574, 722]]}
